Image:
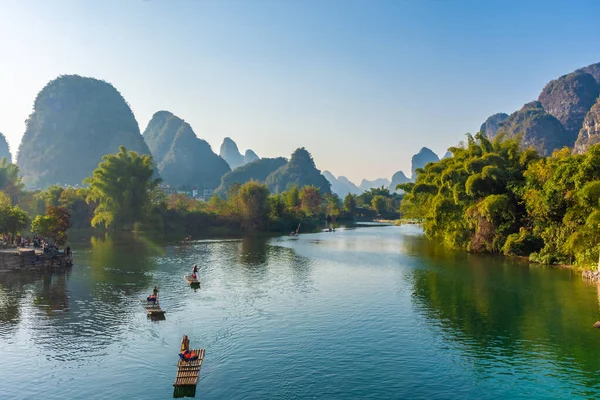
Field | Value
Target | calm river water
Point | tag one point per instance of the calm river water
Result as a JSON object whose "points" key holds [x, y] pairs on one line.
{"points": [[365, 313]]}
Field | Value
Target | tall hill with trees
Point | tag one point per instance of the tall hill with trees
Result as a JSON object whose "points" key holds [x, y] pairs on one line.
{"points": [[536, 128], [299, 171], [183, 159], [4, 149], [75, 121], [569, 98], [257, 170], [492, 124]]}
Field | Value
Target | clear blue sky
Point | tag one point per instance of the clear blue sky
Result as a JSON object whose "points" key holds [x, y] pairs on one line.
{"points": [[363, 85]]}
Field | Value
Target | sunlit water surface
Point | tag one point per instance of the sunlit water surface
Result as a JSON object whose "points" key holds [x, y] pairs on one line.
{"points": [[366, 313]]}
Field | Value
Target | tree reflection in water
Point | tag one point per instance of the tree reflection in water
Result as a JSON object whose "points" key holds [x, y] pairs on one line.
{"points": [[499, 307]]}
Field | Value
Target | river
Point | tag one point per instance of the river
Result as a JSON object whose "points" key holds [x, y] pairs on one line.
{"points": [[367, 313]]}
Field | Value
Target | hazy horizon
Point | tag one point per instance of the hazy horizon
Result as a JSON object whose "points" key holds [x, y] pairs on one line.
{"points": [[361, 87]]}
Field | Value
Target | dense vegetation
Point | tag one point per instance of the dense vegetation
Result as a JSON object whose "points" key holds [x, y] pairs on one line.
{"points": [[257, 170], [492, 196], [123, 194], [75, 121], [122, 187], [299, 171], [182, 158]]}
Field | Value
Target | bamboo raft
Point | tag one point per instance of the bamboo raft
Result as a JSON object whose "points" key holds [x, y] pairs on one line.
{"points": [[191, 281], [153, 310], [188, 372]]}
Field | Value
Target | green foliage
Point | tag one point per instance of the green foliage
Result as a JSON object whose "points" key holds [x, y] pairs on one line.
{"points": [[292, 197], [523, 243], [491, 196], [471, 200], [12, 218], [379, 203], [333, 205], [54, 224], [350, 204], [74, 201], [121, 187], [10, 181], [257, 170], [300, 171], [311, 200], [254, 205]]}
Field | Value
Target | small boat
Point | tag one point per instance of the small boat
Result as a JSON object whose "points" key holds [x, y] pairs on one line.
{"points": [[191, 281]]}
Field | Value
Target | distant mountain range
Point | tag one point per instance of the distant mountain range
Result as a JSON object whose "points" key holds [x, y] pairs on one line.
{"points": [[230, 153], [342, 186], [77, 120]]}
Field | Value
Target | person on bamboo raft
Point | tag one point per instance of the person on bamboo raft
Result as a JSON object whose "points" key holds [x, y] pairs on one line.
{"points": [[188, 355], [152, 297], [185, 353]]}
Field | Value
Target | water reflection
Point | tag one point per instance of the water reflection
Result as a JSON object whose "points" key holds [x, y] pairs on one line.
{"points": [[253, 251], [507, 312], [52, 294], [96, 304]]}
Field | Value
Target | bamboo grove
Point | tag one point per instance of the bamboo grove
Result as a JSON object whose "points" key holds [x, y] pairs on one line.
{"points": [[493, 196]]}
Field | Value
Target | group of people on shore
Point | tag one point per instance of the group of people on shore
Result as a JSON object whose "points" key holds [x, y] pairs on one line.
{"points": [[37, 242]]}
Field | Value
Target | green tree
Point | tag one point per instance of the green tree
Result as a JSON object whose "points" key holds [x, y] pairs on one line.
{"points": [[122, 188], [254, 206], [15, 220], [333, 205], [10, 181], [379, 203], [350, 204], [54, 224], [292, 197], [81, 212], [311, 200], [12, 218], [474, 199]]}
